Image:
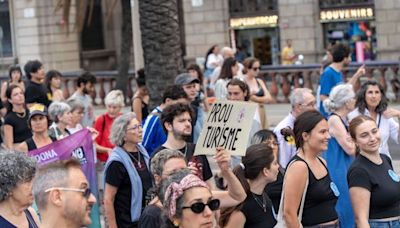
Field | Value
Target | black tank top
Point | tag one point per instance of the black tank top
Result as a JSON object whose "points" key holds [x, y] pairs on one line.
{"points": [[32, 145], [320, 202]]}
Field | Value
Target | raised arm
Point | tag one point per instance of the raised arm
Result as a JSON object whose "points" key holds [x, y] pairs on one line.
{"points": [[338, 131]]}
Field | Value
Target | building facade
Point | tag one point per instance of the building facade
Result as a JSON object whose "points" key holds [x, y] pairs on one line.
{"points": [[261, 28]]}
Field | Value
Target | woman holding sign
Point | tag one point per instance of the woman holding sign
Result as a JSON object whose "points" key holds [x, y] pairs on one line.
{"points": [[374, 185], [259, 167], [38, 122]]}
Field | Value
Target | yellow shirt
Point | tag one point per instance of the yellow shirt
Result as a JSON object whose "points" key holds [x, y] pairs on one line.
{"points": [[287, 53]]}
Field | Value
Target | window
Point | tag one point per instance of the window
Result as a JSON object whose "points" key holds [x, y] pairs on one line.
{"points": [[243, 7], [6, 47], [92, 35]]}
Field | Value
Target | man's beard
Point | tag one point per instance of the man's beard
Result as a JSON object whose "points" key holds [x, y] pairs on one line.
{"points": [[181, 136], [85, 91], [72, 213]]}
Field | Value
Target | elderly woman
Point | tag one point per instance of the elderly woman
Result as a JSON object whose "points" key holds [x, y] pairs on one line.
{"points": [[77, 109], [127, 176], [114, 102], [16, 121], [372, 101], [60, 113], [38, 122], [188, 201], [16, 177], [341, 148]]}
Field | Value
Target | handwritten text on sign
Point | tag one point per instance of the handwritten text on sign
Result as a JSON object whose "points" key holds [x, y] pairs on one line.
{"points": [[227, 125]]}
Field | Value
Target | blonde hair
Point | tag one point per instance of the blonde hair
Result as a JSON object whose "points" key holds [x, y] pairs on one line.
{"points": [[115, 97]]}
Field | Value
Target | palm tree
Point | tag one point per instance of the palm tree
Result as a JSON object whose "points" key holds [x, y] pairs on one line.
{"points": [[159, 25]]}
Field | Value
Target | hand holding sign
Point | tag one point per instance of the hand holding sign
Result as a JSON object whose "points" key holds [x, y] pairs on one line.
{"points": [[223, 159], [227, 125]]}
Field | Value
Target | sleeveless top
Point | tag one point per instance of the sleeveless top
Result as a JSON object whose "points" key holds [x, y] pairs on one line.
{"points": [[260, 92], [320, 201], [145, 110], [32, 145], [6, 224]]}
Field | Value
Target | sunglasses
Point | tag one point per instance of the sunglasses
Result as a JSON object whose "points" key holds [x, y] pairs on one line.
{"points": [[200, 206], [86, 192]]}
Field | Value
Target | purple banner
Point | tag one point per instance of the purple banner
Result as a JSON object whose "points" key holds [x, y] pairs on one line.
{"points": [[80, 146]]}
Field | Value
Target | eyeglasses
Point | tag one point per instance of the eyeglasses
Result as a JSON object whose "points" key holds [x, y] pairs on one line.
{"points": [[200, 206], [311, 104], [86, 192], [256, 68], [134, 128]]}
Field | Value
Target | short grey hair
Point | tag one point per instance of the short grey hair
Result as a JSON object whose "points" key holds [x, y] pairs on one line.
{"points": [[56, 174], [15, 168], [297, 96], [75, 104], [118, 128], [339, 96], [58, 108], [159, 159], [115, 97], [175, 177]]}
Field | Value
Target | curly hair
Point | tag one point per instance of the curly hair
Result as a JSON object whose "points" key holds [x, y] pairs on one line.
{"points": [[159, 159], [118, 128], [15, 168], [361, 104], [169, 113]]}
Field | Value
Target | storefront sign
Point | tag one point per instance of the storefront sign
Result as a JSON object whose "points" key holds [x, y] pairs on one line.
{"points": [[227, 125], [346, 14], [251, 22]]}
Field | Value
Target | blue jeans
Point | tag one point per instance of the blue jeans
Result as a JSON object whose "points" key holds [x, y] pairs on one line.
{"points": [[388, 224]]}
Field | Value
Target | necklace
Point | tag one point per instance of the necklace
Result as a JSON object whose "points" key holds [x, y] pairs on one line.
{"points": [[262, 204], [136, 160]]}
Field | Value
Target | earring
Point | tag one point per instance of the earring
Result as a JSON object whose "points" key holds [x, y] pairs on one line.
{"points": [[176, 222]]}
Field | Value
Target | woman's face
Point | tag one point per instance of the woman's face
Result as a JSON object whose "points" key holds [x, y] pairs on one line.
{"points": [[318, 137], [113, 110], [273, 143], [76, 116], [15, 76], [235, 69], [373, 96], [56, 82], [17, 96], [194, 74], [39, 123], [368, 138], [255, 69], [190, 219], [22, 194], [134, 132], [66, 118], [273, 170]]}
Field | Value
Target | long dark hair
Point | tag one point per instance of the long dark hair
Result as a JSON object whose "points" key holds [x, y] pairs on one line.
{"points": [[258, 157], [15, 68], [49, 76], [226, 69], [196, 68], [305, 122], [361, 104], [9, 91], [208, 53]]}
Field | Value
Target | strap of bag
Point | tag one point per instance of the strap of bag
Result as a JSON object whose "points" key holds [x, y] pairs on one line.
{"points": [[280, 212]]}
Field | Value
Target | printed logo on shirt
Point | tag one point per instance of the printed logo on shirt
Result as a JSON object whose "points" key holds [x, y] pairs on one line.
{"points": [[393, 175], [335, 189]]}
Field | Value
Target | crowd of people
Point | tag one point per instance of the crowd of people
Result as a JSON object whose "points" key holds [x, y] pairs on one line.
{"points": [[326, 164]]}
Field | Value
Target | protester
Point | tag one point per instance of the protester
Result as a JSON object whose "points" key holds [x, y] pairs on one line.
{"points": [[153, 132], [141, 98], [114, 102], [259, 167], [38, 122], [341, 148], [62, 195], [188, 201], [332, 75], [226, 52], [258, 90], [53, 85], [85, 86], [213, 60], [374, 185], [16, 177], [228, 72], [35, 90], [176, 120], [15, 75], [273, 189], [288, 54], [188, 84], [76, 115], [127, 175], [168, 161], [301, 100], [16, 128], [60, 114], [308, 170], [372, 101]]}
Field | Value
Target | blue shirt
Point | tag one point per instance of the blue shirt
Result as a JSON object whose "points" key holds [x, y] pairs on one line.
{"points": [[153, 132], [329, 79]]}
